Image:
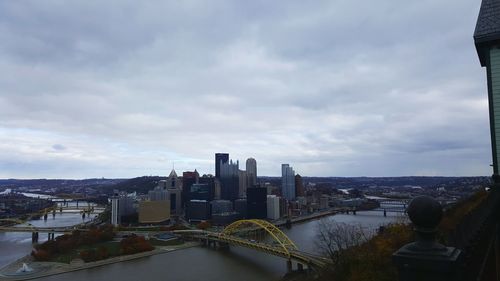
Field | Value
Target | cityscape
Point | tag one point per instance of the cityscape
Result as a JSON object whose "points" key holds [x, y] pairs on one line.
{"points": [[233, 140]]}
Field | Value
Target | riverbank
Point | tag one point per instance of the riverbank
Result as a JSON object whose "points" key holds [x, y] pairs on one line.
{"points": [[44, 269]]}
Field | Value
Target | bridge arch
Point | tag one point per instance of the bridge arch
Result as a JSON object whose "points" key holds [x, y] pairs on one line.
{"points": [[285, 243]]}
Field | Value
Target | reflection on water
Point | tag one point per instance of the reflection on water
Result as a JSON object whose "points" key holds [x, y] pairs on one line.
{"points": [[198, 263], [15, 245]]}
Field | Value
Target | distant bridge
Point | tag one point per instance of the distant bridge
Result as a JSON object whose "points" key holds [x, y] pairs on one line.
{"points": [[280, 245]]}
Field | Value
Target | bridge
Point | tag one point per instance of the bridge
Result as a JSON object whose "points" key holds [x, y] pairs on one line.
{"points": [[34, 230], [275, 243]]}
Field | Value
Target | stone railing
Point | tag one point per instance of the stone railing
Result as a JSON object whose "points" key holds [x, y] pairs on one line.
{"points": [[473, 255]]}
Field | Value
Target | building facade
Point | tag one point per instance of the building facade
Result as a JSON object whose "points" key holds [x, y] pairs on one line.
{"points": [[256, 203], [273, 207], [487, 41], [188, 179], [229, 180], [121, 205], [287, 182], [251, 166], [220, 158]]}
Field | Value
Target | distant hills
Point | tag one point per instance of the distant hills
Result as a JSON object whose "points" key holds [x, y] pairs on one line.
{"points": [[143, 184]]}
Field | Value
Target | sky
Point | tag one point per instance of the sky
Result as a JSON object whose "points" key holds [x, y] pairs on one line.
{"points": [[120, 89]]}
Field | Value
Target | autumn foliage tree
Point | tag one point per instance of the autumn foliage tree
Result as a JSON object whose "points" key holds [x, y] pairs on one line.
{"points": [[135, 244], [68, 242]]}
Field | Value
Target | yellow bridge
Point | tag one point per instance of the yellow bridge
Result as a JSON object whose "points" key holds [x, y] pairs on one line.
{"points": [[279, 245]]}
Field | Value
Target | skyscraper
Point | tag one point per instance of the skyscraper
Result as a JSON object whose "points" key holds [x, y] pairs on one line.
{"points": [[220, 158], [256, 203], [299, 186], [251, 166], [229, 180], [243, 181], [287, 182], [188, 179]]}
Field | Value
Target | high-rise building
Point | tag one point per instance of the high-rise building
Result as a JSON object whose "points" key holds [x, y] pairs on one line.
{"points": [[197, 210], [188, 179], [240, 206], [299, 186], [229, 180], [287, 182], [211, 181], [220, 158], [158, 194], [174, 190], [273, 207], [256, 203], [174, 195], [121, 205], [217, 189], [221, 206], [173, 180], [251, 166], [242, 187], [200, 191]]}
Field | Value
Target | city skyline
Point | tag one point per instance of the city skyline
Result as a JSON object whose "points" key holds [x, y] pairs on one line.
{"points": [[105, 90]]}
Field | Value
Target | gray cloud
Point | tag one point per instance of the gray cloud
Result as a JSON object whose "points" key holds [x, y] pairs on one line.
{"points": [[333, 89]]}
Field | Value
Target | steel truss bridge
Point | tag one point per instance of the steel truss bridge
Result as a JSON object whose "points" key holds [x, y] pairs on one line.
{"points": [[280, 245]]}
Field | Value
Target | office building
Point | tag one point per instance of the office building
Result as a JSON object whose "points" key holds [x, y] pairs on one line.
{"points": [[188, 179], [173, 186], [283, 207], [197, 210], [158, 193], [256, 203], [299, 186], [242, 180], [220, 158], [174, 195], [240, 206], [251, 166], [121, 205], [154, 211], [225, 218], [217, 189], [200, 191], [287, 182], [173, 180], [211, 181], [273, 207], [229, 180], [221, 206]]}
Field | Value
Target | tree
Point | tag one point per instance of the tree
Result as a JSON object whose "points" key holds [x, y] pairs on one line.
{"points": [[334, 238]]}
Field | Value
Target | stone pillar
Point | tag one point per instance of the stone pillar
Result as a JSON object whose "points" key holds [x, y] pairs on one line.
{"points": [[426, 259]]}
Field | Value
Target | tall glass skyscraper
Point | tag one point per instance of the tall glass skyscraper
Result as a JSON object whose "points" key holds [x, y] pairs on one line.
{"points": [[220, 158], [287, 182]]}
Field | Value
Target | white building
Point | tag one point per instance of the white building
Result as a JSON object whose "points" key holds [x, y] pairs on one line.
{"points": [[287, 182], [273, 207]]}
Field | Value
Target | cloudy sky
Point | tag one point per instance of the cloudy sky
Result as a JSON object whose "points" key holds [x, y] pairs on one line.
{"points": [[335, 88]]}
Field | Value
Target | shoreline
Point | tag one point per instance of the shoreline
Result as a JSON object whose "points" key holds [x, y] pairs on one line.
{"points": [[45, 269]]}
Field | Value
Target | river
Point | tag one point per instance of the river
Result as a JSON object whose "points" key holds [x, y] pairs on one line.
{"points": [[194, 263]]}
